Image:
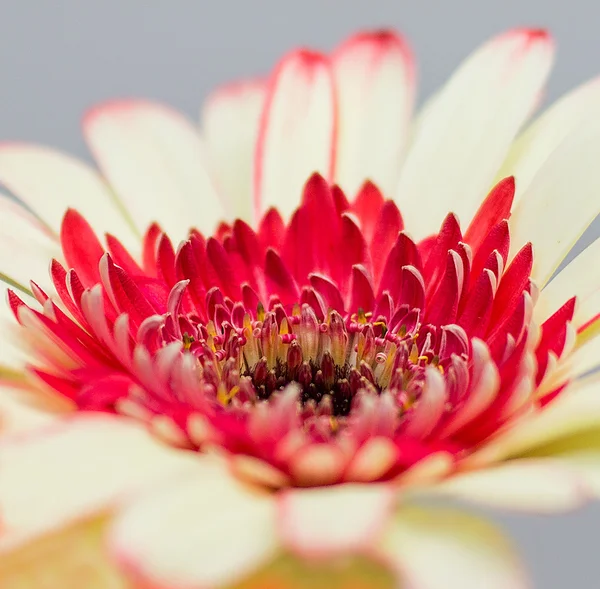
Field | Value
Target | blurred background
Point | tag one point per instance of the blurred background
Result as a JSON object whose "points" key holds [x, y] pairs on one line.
{"points": [[58, 58]]}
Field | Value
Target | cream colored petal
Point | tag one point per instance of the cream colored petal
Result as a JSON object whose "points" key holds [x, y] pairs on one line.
{"points": [[460, 144], [153, 158], [581, 278], [73, 557], [324, 522], [203, 530], [74, 468], [575, 410], [375, 86], [230, 123], [532, 484], [580, 453], [26, 246], [560, 202], [435, 548], [50, 182], [20, 412], [297, 134], [540, 139]]}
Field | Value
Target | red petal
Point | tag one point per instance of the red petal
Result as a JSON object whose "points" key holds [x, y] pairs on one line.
{"points": [[387, 226], [494, 209], [81, 247], [367, 208], [362, 290], [271, 230]]}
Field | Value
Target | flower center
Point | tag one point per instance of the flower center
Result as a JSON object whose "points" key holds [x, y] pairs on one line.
{"points": [[330, 349]]}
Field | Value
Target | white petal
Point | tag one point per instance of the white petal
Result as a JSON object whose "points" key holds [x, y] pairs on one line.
{"points": [[536, 144], [375, 86], [435, 548], [27, 246], [50, 182], [73, 557], [74, 468], [461, 143], [561, 201], [321, 522], [535, 484], [575, 410], [297, 131], [17, 415], [153, 158], [230, 123], [581, 278], [199, 531]]}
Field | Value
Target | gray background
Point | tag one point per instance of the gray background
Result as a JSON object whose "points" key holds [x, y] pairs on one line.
{"points": [[59, 57]]}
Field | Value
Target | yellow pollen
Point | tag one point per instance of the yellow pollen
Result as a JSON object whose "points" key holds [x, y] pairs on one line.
{"points": [[224, 397], [414, 355]]}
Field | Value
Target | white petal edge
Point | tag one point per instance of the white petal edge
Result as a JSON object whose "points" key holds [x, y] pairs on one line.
{"points": [[76, 466], [154, 159], [375, 86], [297, 131], [576, 409], [462, 141], [581, 278], [437, 548], [50, 182], [560, 202], [535, 485], [199, 531], [324, 522], [540, 139], [16, 415], [230, 123], [27, 244]]}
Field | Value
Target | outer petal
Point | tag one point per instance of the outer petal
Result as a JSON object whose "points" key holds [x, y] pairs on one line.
{"points": [[12, 355], [536, 144], [325, 522], [436, 548], [75, 468], [580, 278], [479, 111], [200, 531], [561, 201], [535, 485], [19, 412], [297, 133], [230, 124], [576, 410], [153, 157], [27, 246], [50, 182], [70, 558], [375, 87]]}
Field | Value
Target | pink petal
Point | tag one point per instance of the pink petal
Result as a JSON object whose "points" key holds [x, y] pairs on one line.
{"points": [[375, 87], [297, 133], [322, 522]]}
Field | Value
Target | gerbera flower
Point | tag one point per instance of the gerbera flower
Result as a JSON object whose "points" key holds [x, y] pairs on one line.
{"points": [[323, 308]]}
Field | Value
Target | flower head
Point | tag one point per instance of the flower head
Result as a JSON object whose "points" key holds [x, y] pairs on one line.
{"points": [[341, 330]]}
